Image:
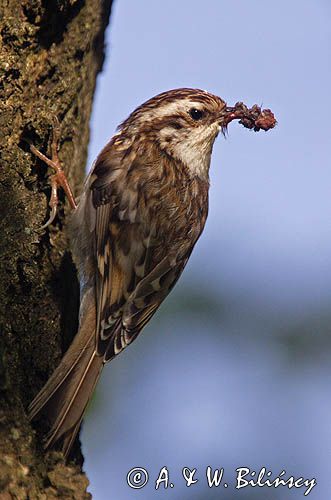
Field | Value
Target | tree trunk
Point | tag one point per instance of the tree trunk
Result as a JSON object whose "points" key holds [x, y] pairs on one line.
{"points": [[51, 52]]}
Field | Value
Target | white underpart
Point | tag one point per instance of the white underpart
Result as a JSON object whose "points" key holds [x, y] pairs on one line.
{"points": [[192, 147], [195, 149]]}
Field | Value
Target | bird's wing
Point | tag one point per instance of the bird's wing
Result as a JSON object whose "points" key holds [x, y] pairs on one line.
{"points": [[144, 301], [137, 264]]}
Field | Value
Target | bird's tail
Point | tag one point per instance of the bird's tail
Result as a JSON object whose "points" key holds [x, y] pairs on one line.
{"points": [[66, 394]]}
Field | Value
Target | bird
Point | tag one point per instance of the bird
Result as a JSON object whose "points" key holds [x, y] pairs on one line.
{"points": [[143, 208]]}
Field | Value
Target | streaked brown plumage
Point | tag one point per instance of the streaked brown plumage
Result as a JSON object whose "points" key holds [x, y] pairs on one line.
{"points": [[143, 208]]}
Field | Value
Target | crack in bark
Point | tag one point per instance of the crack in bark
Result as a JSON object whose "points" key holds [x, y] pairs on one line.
{"points": [[50, 55]]}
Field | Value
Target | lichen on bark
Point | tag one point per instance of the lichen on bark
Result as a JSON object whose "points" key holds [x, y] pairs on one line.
{"points": [[50, 54]]}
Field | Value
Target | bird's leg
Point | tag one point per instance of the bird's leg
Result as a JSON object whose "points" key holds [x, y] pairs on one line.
{"points": [[59, 178]]}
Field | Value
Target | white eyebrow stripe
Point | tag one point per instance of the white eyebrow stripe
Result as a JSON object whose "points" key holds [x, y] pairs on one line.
{"points": [[170, 108]]}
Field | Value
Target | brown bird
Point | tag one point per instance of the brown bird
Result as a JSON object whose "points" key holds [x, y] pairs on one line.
{"points": [[143, 208]]}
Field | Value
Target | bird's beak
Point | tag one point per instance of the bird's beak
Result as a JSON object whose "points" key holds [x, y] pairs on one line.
{"points": [[253, 118], [227, 115]]}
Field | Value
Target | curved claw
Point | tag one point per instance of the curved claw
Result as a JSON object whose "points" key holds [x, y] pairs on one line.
{"points": [[58, 179], [50, 220], [53, 202]]}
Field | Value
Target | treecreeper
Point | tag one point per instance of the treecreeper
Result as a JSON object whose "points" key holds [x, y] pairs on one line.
{"points": [[143, 207]]}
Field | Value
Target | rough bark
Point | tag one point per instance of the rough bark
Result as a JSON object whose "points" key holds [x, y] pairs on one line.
{"points": [[51, 52]]}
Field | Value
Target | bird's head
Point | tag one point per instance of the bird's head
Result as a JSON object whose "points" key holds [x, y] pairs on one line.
{"points": [[184, 123]]}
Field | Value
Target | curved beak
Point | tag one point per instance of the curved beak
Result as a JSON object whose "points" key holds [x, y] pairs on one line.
{"points": [[252, 118]]}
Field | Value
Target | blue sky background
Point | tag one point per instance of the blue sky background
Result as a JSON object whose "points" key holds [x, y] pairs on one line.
{"points": [[235, 368]]}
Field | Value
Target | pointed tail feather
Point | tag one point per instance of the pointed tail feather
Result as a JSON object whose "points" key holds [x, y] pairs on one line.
{"points": [[66, 394]]}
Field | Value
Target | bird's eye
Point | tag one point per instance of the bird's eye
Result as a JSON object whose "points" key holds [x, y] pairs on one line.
{"points": [[196, 114]]}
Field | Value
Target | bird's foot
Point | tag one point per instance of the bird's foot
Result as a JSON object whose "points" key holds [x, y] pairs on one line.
{"points": [[59, 178]]}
